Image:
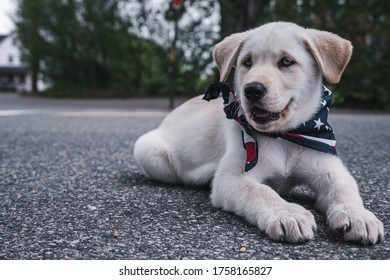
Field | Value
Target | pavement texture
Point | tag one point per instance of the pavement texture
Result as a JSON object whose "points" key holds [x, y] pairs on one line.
{"points": [[70, 189]]}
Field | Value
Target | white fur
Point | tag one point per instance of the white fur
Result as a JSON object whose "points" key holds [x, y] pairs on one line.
{"points": [[196, 144]]}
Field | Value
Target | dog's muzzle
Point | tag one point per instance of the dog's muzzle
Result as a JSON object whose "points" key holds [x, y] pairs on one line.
{"points": [[254, 92]]}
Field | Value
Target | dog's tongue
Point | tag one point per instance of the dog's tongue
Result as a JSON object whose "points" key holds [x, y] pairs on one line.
{"points": [[260, 113]]}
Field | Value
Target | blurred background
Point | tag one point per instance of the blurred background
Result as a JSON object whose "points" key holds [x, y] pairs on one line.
{"points": [[162, 48]]}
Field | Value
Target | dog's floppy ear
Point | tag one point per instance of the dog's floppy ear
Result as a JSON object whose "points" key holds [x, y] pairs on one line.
{"points": [[225, 53], [331, 52]]}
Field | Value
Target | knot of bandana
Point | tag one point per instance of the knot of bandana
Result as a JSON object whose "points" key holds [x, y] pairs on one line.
{"points": [[315, 133]]}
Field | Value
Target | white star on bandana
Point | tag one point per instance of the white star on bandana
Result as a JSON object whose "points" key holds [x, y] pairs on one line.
{"points": [[319, 123]]}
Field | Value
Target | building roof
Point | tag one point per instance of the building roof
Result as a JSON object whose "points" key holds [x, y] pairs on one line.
{"points": [[2, 37], [15, 69]]}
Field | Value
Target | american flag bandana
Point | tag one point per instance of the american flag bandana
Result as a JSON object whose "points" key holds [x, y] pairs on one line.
{"points": [[315, 133]]}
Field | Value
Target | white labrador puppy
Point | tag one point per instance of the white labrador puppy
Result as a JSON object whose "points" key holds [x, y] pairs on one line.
{"points": [[272, 136]]}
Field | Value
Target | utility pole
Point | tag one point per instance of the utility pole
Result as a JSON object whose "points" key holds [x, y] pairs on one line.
{"points": [[174, 13], [172, 70]]}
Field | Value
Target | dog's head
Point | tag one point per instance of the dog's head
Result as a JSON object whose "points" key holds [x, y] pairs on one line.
{"points": [[278, 70]]}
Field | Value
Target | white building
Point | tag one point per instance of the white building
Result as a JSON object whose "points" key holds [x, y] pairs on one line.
{"points": [[14, 75]]}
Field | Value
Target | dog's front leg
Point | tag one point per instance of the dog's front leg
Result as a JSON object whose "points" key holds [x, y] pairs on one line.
{"points": [[339, 198], [237, 192]]}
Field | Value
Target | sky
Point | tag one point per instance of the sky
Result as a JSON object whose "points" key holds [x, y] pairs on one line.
{"points": [[7, 7]]}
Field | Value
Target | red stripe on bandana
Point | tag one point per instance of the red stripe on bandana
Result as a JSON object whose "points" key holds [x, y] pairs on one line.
{"points": [[251, 152], [292, 134]]}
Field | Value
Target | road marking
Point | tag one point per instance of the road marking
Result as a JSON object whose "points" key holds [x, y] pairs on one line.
{"points": [[8, 113], [151, 113], [113, 113]]}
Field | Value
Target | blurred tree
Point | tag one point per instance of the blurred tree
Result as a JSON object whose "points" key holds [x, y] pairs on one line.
{"points": [[367, 24], [101, 46], [240, 15], [84, 47], [198, 30], [31, 12]]}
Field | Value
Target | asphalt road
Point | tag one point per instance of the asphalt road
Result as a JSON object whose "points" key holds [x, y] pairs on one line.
{"points": [[70, 189]]}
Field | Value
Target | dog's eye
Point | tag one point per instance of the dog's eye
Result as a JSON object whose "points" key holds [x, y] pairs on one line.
{"points": [[286, 62], [247, 62]]}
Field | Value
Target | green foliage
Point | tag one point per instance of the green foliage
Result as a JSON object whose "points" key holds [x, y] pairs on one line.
{"points": [[99, 48], [85, 49], [197, 33]]}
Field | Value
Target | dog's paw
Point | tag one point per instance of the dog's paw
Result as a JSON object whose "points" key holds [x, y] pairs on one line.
{"points": [[292, 223], [357, 224]]}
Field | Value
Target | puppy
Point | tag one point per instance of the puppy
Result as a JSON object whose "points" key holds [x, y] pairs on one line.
{"points": [[270, 136]]}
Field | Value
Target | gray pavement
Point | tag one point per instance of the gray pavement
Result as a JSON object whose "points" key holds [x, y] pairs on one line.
{"points": [[70, 189]]}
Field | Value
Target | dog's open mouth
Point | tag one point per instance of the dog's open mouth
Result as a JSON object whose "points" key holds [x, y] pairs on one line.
{"points": [[264, 116]]}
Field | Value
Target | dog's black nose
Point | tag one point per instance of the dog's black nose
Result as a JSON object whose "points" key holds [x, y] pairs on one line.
{"points": [[254, 91]]}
